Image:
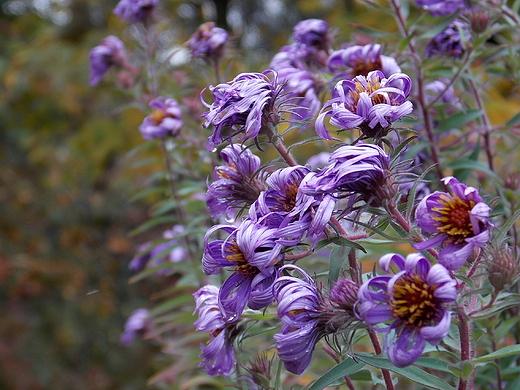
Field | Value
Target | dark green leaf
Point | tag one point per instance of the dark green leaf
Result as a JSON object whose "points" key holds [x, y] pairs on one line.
{"points": [[341, 241], [457, 120], [502, 352], [345, 368]]}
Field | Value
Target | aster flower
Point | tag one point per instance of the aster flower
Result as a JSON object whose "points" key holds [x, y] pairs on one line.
{"points": [[449, 42], [300, 85], [299, 308], [251, 252], [370, 103], [441, 7], [135, 325], [433, 89], [218, 355], [362, 170], [168, 250], [208, 41], [312, 33], [410, 307], [165, 120], [459, 222], [244, 106], [109, 53], [361, 60], [235, 184], [134, 11]]}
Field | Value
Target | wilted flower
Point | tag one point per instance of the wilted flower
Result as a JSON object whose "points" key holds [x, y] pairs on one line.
{"points": [[165, 120], [369, 103], [459, 221], [110, 52], [449, 42], [208, 41], [218, 355], [360, 61], [411, 306], [362, 170], [244, 106], [135, 325], [441, 7], [252, 252], [236, 184], [133, 11], [299, 309]]}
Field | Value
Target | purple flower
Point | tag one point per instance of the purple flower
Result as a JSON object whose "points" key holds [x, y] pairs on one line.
{"points": [[361, 60], [110, 52], [369, 103], [165, 121], [168, 250], [300, 85], [433, 89], [299, 308], [208, 41], [449, 42], [312, 33], [236, 184], [441, 7], [218, 355], [459, 222], [252, 252], [362, 170], [133, 11], [243, 106], [135, 325], [410, 307]]}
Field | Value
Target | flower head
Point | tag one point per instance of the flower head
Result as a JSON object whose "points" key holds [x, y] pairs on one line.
{"points": [[208, 41], [312, 33], [449, 42], [218, 355], [134, 11], [165, 120], [441, 7], [459, 222], [369, 103], [135, 325], [433, 89], [410, 307], [110, 52], [244, 106], [360, 61], [236, 184], [299, 308], [251, 252], [362, 170]]}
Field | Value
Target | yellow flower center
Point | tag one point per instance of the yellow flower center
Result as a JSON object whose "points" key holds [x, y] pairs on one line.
{"points": [[157, 117], [454, 218], [363, 68], [371, 88], [413, 301], [242, 266]]}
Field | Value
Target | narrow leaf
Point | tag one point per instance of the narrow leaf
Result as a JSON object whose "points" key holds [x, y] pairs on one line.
{"points": [[457, 120], [343, 369], [502, 352]]}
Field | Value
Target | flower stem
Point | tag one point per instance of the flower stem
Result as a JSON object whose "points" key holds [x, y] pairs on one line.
{"points": [[279, 146], [465, 350], [378, 350]]}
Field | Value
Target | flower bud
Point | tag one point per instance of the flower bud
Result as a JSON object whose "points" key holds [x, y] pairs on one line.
{"points": [[344, 293], [502, 266], [479, 21]]}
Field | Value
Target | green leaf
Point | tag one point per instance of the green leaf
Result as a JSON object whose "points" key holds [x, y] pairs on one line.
{"points": [[457, 120], [151, 223], [415, 374], [433, 363], [345, 368], [337, 257], [507, 225], [502, 352], [512, 300], [341, 241], [466, 163]]}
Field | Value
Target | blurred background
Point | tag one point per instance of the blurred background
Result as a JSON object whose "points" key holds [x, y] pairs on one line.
{"points": [[68, 175]]}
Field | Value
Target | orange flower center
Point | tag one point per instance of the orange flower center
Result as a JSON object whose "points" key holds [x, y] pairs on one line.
{"points": [[413, 301], [454, 218], [242, 266]]}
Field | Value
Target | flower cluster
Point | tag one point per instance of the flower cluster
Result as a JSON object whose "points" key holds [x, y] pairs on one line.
{"points": [[449, 42]]}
